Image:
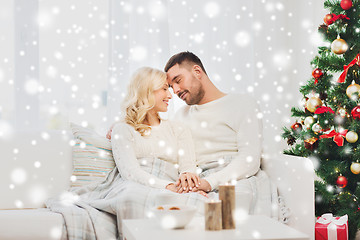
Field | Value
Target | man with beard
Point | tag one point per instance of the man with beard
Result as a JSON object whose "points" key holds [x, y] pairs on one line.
{"points": [[226, 132]]}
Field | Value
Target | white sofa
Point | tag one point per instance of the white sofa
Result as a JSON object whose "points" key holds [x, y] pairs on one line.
{"points": [[39, 165]]}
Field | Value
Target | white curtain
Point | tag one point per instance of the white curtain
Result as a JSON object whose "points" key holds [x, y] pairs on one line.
{"points": [[66, 60]]}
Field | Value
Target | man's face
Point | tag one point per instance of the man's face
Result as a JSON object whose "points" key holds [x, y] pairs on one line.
{"points": [[185, 84]]}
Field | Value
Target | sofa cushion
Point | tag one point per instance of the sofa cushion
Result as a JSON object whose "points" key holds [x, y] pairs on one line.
{"points": [[90, 136], [92, 156], [31, 224]]}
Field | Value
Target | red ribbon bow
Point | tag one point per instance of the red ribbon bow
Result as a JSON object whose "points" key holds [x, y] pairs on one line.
{"points": [[338, 137], [346, 68]]}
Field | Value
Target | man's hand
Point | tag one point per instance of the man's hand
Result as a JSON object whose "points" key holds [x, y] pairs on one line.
{"points": [[187, 182], [204, 185], [203, 193]]}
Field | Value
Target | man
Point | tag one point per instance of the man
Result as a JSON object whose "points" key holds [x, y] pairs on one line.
{"points": [[226, 132]]}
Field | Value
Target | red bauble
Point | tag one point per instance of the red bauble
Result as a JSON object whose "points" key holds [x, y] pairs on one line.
{"points": [[341, 182], [355, 113], [296, 127], [317, 73], [328, 19], [346, 4]]}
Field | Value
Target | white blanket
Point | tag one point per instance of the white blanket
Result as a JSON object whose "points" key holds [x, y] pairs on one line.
{"points": [[96, 210]]}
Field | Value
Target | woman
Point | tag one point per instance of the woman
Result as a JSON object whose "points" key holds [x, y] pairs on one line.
{"points": [[143, 138], [149, 153]]}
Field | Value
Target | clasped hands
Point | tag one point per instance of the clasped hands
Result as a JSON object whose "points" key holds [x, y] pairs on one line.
{"points": [[190, 182]]}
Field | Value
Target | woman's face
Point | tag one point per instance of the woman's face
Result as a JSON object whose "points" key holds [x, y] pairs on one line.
{"points": [[162, 97]]}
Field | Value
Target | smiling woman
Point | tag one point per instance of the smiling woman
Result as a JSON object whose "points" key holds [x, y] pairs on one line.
{"points": [[148, 94], [162, 97]]}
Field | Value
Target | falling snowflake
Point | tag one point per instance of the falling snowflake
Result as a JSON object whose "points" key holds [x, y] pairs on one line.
{"points": [[212, 9], [56, 232], [242, 39], [37, 164], [31, 86], [138, 53], [37, 194], [151, 181], [156, 9], [18, 176], [44, 19], [281, 59], [1, 75], [181, 152]]}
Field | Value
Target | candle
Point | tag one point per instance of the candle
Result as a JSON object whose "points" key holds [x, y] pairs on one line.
{"points": [[213, 220], [227, 197]]}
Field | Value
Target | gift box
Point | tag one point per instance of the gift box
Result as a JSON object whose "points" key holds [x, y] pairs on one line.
{"points": [[332, 228]]}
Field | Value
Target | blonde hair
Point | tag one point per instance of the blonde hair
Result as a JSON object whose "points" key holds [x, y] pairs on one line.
{"points": [[140, 96]]}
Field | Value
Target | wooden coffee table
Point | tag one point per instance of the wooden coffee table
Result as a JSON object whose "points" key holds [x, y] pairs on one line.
{"points": [[254, 227]]}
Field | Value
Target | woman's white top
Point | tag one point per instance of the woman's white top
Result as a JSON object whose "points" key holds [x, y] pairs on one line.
{"points": [[169, 141]]}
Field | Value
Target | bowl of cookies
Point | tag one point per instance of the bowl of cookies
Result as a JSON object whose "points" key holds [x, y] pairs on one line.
{"points": [[173, 216]]}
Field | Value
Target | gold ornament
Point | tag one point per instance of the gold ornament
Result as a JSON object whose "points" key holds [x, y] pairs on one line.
{"points": [[351, 137], [351, 89], [308, 121], [339, 46], [355, 168], [313, 103]]}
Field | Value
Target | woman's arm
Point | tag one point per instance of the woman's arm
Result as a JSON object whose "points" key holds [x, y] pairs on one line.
{"points": [[122, 141], [188, 179], [186, 150]]}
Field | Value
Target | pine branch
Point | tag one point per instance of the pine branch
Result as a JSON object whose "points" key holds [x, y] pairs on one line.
{"points": [[333, 6], [297, 112], [298, 150], [286, 133], [329, 61], [309, 87]]}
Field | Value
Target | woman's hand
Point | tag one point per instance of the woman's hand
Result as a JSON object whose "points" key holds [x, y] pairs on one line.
{"points": [[187, 182], [108, 134], [171, 187]]}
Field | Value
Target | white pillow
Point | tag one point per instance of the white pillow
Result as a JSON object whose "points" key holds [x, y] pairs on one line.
{"points": [[90, 136], [92, 156]]}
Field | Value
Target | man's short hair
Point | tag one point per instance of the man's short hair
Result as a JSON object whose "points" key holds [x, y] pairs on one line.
{"points": [[182, 57]]}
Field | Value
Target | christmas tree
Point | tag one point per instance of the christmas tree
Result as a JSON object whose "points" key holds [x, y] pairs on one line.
{"points": [[327, 126]]}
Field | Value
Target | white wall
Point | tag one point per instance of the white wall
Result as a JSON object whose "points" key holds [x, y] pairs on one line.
{"points": [[79, 55], [7, 103]]}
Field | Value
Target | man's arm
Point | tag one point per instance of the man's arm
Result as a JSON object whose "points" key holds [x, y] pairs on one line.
{"points": [[249, 144]]}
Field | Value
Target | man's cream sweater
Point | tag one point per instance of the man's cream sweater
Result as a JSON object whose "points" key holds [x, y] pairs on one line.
{"points": [[227, 126]]}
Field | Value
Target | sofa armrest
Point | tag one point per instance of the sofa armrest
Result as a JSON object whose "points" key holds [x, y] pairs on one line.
{"points": [[34, 168], [294, 177]]}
